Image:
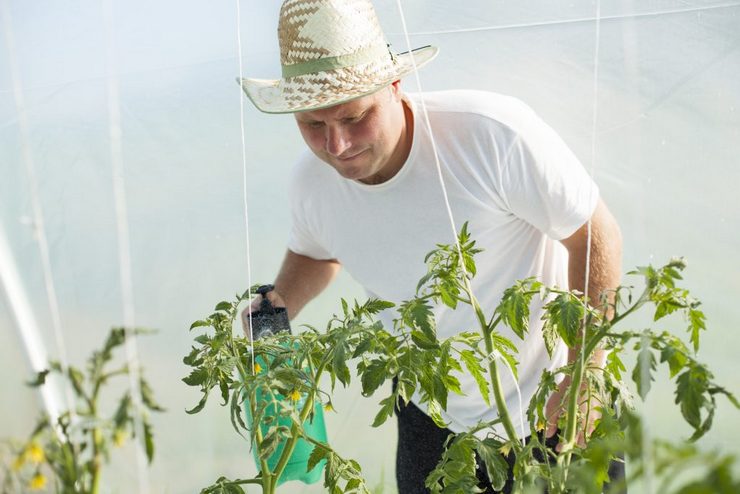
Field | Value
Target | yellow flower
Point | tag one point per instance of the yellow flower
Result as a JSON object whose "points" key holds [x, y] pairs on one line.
{"points": [[294, 395], [505, 449], [328, 406], [540, 425], [37, 482], [257, 368], [119, 437], [35, 453]]}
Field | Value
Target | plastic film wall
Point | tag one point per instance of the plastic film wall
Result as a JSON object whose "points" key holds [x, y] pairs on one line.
{"points": [[646, 94]]}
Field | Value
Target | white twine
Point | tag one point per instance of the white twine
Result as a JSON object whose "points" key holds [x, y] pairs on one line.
{"points": [[444, 187], [244, 182], [124, 245]]}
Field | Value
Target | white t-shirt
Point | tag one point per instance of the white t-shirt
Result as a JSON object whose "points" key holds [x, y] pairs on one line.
{"points": [[506, 172]]}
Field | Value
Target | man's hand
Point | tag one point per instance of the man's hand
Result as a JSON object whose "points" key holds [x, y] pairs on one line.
{"points": [[589, 412], [275, 299]]}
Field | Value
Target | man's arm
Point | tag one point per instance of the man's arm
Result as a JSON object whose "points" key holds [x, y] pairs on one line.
{"points": [[299, 280], [604, 274]]}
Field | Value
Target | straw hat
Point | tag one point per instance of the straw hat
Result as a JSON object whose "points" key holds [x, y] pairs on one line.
{"points": [[331, 51]]}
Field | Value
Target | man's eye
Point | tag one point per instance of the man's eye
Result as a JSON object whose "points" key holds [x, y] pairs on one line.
{"points": [[354, 119], [315, 125]]}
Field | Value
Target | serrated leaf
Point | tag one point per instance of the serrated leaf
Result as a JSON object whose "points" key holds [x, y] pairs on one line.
{"points": [[496, 466], [550, 335], [675, 356], [568, 317], [236, 413], [435, 413], [696, 324], [319, 452], [614, 365], [387, 406], [642, 374], [690, 388], [476, 370], [373, 306], [373, 376], [196, 377], [514, 310], [423, 341], [224, 306]]}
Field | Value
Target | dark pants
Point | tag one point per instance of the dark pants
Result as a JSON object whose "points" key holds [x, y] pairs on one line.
{"points": [[421, 444]]}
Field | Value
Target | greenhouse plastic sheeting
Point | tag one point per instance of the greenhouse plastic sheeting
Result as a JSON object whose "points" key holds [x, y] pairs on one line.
{"points": [[646, 93]]}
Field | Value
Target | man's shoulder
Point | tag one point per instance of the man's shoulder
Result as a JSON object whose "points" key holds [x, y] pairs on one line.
{"points": [[472, 101], [506, 114]]}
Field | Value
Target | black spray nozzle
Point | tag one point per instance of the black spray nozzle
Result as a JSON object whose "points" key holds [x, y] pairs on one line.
{"points": [[269, 320]]}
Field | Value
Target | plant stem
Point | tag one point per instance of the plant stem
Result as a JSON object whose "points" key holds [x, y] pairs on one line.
{"points": [[498, 395], [97, 439], [267, 476], [307, 408]]}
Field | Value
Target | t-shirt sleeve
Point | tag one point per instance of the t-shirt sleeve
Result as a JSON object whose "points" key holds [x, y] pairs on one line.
{"points": [[544, 183], [304, 235]]}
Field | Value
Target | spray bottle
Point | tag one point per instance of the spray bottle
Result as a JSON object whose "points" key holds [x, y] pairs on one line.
{"points": [[268, 321]]}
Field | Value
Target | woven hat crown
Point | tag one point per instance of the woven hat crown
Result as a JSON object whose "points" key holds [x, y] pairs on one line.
{"points": [[315, 29], [331, 51]]}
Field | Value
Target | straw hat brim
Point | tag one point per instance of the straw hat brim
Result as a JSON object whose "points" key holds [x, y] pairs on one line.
{"points": [[338, 86]]}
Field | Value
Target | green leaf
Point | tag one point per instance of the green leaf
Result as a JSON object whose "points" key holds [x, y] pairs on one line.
{"points": [[674, 353], [550, 335], [122, 414], [614, 365], [696, 324], [423, 341], [197, 408], [197, 377], [514, 310], [566, 312], [690, 389], [148, 440], [435, 413], [40, 379], [147, 396], [373, 376], [224, 306], [116, 337], [386, 410], [496, 466], [197, 324], [236, 413], [319, 452], [77, 379], [642, 374], [477, 371], [374, 305]]}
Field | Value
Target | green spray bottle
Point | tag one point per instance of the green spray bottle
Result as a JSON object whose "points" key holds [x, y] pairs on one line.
{"points": [[266, 321]]}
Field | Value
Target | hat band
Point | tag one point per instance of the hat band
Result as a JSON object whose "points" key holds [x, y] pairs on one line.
{"points": [[366, 55]]}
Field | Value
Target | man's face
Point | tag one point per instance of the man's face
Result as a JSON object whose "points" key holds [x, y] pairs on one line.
{"points": [[366, 139]]}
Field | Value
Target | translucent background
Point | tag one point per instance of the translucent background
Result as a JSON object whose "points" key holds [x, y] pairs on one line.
{"points": [[648, 98]]}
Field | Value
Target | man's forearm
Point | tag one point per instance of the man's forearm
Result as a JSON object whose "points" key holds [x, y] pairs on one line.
{"points": [[302, 278], [605, 262]]}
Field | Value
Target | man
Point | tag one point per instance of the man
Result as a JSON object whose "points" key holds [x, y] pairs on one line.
{"points": [[367, 197]]}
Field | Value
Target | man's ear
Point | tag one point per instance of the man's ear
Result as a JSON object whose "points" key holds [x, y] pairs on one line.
{"points": [[395, 88]]}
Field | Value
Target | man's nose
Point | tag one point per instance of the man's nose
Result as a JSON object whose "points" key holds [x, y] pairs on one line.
{"points": [[337, 141]]}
